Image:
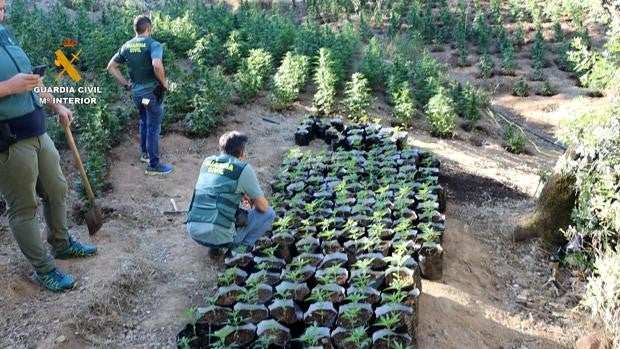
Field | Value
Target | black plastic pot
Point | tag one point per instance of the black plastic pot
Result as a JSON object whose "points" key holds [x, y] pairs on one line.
{"points": [[253, 313], [362, 318], [273, 263], [339, 336], [265, 293], [337, 292], [431, 263], [341, 275], [241, 260], [281, 335], [322, 313], [373, 296], [385, 339], [214, 315], [308, 241], [298, 291], [334, 259], [302, 137], [405, 313], [228, 295], [285, 311], [268, 277], [241, 335], [200, 339], [240, 276], [314, 258]]}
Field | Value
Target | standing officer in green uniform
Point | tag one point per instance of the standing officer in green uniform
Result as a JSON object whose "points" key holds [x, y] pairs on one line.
{"points": [[30, 166], [143, 56], [223, 182]]}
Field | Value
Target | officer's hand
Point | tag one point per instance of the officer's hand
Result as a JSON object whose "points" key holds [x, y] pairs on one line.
{"points": [[166, 86], [21, 83], [65, 116]]}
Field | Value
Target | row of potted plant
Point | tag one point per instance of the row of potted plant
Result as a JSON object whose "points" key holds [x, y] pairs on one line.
{"points": [[340, 267]]}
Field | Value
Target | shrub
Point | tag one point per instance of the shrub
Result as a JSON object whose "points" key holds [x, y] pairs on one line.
{"points": [[440, 114], [602, 295], [289, 80], [538, 55], [253, 74], [472, 101], [428, 76], [398, 73], [206, 51], [210, 102], [371, 65], [235, 49], [178, 34], [515, 139], [358, 99], [486, 66], [482, 31], [509, 64], [404, 105], [547, 90], [521, 88], [325, 80]]}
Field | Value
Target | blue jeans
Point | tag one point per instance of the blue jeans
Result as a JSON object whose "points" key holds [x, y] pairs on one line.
{"points": [[151, 116], [258, 224]]}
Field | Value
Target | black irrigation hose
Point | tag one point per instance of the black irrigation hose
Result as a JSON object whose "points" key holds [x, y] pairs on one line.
{"points": [[514, 120]]}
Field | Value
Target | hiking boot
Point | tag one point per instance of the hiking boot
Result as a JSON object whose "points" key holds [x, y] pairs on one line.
{"points": [[158, 170], [76, 249], [55, 280], [216, 252], [144, 158]]}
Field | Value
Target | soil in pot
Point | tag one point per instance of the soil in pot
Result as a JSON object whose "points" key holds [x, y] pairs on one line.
{"points": [[271, 263], [378, 260], [229, 295], [318, 338], [309, 244], [268, 277], [406, 275], [279, 335], [386, 339], [354, 315], [334, 259], [331, 246], [299, 274], [340, 275], [373, 296], [239, 276], [376, 277], [313, 259], [285, 311], [241, 335], [341, 338], [336, 292], [253, 313], [298, 291], [214, 315], [241, 260], [322, 313], [197, 336], [405, 313]]}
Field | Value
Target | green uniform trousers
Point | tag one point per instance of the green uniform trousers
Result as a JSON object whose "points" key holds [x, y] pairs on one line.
{"points": [[30, 167]]}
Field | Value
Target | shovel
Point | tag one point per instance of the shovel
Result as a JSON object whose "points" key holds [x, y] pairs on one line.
{"points": [[94, 219]]}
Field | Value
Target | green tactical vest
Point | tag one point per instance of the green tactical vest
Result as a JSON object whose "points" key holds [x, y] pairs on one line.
{"points": [[215, 200], [137, 52], [13, 60]]}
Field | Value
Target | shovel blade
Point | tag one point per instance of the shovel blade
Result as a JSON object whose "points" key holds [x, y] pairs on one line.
{"points": [[94, 219]]}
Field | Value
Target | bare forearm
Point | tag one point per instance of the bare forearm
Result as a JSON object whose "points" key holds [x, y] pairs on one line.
{"points": [[49, 99], [116, 74], [5, 89], [160, 74]]}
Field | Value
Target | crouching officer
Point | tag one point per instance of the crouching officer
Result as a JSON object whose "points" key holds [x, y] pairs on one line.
{"points": [[29, 166], [223, 182]]}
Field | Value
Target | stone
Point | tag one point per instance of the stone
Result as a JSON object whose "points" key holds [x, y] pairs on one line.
{"points": [[588, 342], [61, 339]]}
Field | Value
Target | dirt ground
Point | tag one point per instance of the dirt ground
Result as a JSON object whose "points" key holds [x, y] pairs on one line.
{"points": [[148, 271]]}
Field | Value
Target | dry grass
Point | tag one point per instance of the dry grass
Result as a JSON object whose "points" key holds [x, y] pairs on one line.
{"points": [[103, 314]]}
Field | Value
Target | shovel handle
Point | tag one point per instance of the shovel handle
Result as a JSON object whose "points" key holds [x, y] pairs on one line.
{"points": [[78, 163]]}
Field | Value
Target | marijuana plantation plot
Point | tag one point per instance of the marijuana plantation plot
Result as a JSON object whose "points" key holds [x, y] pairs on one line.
{"points": [[357, 227]]}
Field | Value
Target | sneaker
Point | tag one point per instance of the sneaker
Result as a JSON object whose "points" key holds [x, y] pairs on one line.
{"points": [[159, 170], [215, 252], [76, 249], [55, 280], [144, 158]]}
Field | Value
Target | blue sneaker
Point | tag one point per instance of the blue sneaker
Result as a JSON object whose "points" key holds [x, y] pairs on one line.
{"points": [[76, 249], [159, 170], [55, 280], [144, 158]]}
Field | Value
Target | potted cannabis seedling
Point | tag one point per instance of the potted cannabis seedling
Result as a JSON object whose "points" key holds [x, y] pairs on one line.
{"points": [[236, 331], [271, 332]]}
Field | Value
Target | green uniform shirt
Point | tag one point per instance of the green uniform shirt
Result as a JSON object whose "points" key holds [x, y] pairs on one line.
{"points": [[13, 60], [139, 53]]}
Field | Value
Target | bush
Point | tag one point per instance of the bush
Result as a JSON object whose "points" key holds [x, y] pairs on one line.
{"points": [[207, 50], [509, 64], [521, 88], [235, 50], [210, 102], [358, 98], [398, 73], [325, 80], [470, 104], [602, 295], [289, 80], [178, 34], [515, 139], [371, 65], [254, 74], [428, 76], [440, 114], [486, 66], [404, 105]]}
